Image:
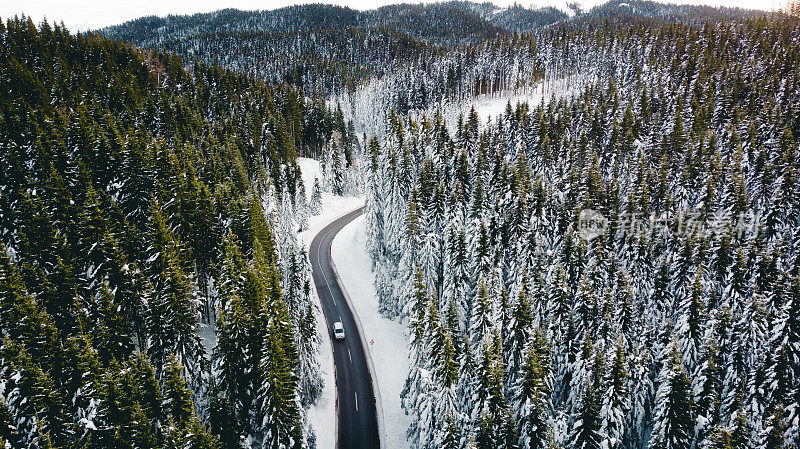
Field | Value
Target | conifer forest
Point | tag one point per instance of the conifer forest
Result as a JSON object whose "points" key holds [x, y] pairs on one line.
{"points": [[585, 220]]}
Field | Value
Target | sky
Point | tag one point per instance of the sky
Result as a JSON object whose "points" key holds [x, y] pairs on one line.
{"points": [[81, 15]]}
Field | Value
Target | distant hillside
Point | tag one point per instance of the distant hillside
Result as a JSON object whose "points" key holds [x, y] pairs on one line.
{"points": [[331, 49], [645, 8], [438, 23], [325, 48], [514, 18]]}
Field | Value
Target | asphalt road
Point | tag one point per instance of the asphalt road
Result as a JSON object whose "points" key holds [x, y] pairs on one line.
{"points": [[358, 425]]}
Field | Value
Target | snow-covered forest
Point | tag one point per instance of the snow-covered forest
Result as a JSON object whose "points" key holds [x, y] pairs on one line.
{"points": [[611, 263], [672, 325], [152, 290]]}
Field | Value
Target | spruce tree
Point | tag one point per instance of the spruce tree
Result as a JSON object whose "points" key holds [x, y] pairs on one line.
{"points": [[178, 404], [315, 202], [533, 395], [673, 421], [587, 423]]}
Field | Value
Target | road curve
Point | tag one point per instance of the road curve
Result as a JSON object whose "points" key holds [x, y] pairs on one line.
{"points": [[358, 425]]}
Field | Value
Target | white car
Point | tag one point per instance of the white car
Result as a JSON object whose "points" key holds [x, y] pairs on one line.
{"points": [[338, 330]]}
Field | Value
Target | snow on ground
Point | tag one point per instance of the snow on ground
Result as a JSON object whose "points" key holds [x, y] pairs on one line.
{"points": [[309, 170], [490, 106], [208, 337], [332, 206], [368, 107], [323, 415], [389, 351]]}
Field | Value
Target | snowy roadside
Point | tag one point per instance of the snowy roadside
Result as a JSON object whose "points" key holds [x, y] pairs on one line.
{"points": [[323, 415], [388, 347]]}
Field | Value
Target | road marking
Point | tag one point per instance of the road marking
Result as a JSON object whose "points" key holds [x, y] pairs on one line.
{"points": [[319, 252], [330, 294]]}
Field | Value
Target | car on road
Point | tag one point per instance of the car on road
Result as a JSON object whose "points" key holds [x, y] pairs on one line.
{"points": [[338, 330]]}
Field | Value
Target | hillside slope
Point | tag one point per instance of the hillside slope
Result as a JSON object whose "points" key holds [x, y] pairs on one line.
{"points": [[135, 203]]}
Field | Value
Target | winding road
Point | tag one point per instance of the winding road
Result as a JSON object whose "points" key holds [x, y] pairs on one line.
{"points": [[358, 425]]}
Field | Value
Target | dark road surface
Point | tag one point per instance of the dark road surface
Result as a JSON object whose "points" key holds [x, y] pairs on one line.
{"points": [[358, 425]]}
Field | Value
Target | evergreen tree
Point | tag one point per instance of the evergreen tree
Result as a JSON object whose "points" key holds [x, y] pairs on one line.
{"points": [[533, 395], [615, 400], [587, 422], [674, 415], [177, 397], [315, 203]]}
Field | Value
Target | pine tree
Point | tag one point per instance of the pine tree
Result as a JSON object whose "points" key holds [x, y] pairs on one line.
{"points": [[233, 360], [9, 436], [481, 317], [177, 397], [130, 406], [735, 437], [706, 388], [452, 437], [223, 424], [533, 394], [518, 333], [311, 383], [674, 415], [587, 422], [337, 182], [110, 335], [690, 323], [315, 203], [279, 405], [36, 406], [173, 312], [194, 436], [616, 400]]}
